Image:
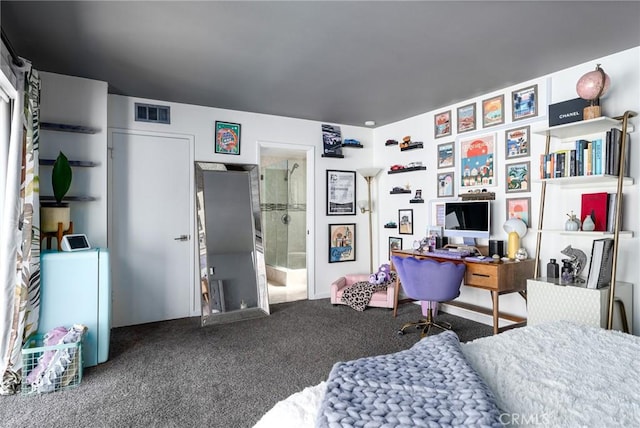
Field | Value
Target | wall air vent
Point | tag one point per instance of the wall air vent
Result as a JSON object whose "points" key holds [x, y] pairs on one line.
{"points": [[152, 113]]}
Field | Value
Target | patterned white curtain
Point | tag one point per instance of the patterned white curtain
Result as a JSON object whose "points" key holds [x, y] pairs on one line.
{"points": [[19, 239]]}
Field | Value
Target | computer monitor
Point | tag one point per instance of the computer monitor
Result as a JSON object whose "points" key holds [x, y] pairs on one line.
{"points": [[467, 219]]}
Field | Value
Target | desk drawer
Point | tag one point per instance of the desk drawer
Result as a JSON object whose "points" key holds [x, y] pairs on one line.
{"points": [[481, 275]]}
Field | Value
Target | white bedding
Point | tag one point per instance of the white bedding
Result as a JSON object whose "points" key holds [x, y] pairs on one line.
{"points": [[559, 374]]}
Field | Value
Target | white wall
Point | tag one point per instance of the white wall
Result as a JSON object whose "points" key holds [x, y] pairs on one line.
{"points": [[624, 70], [200, 121], [76, 101]]}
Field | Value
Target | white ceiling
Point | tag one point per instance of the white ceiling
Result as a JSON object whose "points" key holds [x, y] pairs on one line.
{"points": [[335, 62]]}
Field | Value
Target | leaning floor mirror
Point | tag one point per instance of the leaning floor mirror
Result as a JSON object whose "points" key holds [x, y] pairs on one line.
{"points": [[233, 280]]}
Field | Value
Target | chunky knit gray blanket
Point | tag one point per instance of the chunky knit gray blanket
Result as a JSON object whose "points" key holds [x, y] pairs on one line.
{"points": [[430, 384]]}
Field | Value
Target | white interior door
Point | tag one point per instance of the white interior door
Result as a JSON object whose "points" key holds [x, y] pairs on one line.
{"points": [[152, 220]]}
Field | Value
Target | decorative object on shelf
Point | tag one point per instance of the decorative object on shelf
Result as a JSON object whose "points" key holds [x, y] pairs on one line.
{"points": [[577, 258], [519, 208], [567, 275], [341, 192], [369, 174], [417, 199], [391, 142], [52, 213], [478, 195], [409, 145], [522, 254], [331, 141], [394, 244], [553, 269], [587, 223], [591, 86], [405, 220], [390, 225], [518, 177], [567, 111], [351, 142], [572, 224], [524, 102], [442, 124], [227, 138], [516, 229], [517, 142], [467, 118], [446, 185], [493, 111], [477, 161], [397, 190], [342, 243], [446, 155], [413, 166]]}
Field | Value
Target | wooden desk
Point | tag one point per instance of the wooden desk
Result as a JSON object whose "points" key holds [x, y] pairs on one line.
{"points": [[498, 278]]}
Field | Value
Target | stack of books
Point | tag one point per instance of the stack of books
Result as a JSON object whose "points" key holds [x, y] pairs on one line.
{"points": [[600, 156], [601, 263]]}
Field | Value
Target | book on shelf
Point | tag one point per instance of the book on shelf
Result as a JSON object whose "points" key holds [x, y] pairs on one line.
{"points": [[611, 211], [616, 147], [595, 204], [601, 263]]}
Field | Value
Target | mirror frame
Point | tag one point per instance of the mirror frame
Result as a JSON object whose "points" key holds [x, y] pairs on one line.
{"points": [[262, 308]]}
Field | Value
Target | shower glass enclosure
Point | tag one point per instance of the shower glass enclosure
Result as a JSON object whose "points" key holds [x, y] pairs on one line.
{"points": [[283, 190]]}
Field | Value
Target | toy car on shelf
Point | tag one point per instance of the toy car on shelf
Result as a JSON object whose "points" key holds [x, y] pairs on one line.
{"points": [[396, 167], [351, 142], [414, 165], [391, 143], [391, 225]]}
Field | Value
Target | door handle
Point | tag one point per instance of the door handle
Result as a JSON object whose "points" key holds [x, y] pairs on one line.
{"points": [[182, 238]]}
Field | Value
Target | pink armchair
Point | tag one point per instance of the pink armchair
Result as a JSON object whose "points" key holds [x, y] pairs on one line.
{"points": [[380, 299]]}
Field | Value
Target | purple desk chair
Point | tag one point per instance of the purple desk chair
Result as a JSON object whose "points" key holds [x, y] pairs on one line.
{"points": [[431, 282]]}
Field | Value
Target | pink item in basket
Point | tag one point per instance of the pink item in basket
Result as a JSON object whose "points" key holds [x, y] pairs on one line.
{"points": [[53, 337]]}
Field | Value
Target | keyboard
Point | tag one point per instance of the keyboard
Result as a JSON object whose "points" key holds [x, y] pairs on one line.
{"points": [[449, 254]]}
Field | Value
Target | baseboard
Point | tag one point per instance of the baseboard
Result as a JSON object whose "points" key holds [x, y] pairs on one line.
{"points": [[472, 315]]}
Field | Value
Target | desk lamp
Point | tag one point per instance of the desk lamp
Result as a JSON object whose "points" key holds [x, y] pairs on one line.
{"points": [[515, 229]]}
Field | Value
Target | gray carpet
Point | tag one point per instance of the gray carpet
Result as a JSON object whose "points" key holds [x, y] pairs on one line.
{"points": [[178, 374]]}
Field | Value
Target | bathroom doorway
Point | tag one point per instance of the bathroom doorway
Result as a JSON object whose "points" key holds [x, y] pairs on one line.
{"points": [[283, 190]]}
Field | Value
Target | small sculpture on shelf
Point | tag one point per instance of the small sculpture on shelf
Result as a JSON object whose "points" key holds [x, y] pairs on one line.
{"points": [[418, 197], [572, 224], [577, 260]]}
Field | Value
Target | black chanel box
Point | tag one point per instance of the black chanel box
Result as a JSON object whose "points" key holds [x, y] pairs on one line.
{"points": [[567, 111]]}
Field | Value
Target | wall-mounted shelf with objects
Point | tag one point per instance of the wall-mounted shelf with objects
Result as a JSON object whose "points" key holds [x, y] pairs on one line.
{"points": [[330, 155], [413, 168], [44, 198], [410, 146], [416, 201], [400, 191], [62, 127], [87, 164]]}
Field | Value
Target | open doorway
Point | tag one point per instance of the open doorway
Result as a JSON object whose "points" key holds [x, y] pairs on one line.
{"points": [[284, 194]]}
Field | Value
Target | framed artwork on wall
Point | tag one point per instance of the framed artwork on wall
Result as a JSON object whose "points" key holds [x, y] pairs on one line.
{"points": [[477, 156], [518, 177], [446, 155], [524, 102], [442, 124], [405, 222], [517, 142], [446, 184], [341, 192], [227, 138], [519, 208], [467, 118], [394, 244], [493, 111], [342, 243]]}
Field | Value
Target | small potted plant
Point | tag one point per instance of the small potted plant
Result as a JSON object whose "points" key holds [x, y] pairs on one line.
{"points": [[52, 213]]}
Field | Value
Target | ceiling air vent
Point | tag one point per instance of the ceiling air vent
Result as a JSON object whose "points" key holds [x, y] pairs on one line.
{"points": [[152, 113]]}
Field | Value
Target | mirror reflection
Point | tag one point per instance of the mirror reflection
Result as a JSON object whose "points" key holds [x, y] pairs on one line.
{"points": [[233, 279]]}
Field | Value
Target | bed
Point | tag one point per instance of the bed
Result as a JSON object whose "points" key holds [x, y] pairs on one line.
{"points": [[558, 374]]}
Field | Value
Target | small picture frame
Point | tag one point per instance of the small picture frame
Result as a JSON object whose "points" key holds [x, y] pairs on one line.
{"points": [[227, 138], [517, 177], [446, 155], [446, 184], [517, 142], [341, 192], [466, 118], [405, 222], [442, 124], [519, 208], [493, 111], [342, 242], [524, 102], [394, 244]]}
